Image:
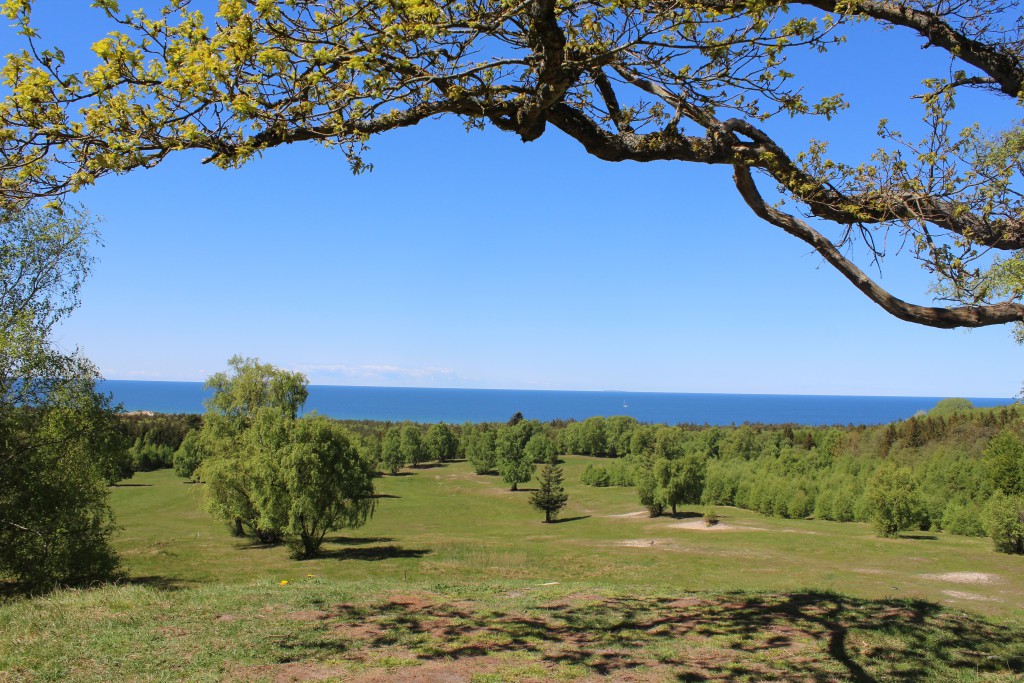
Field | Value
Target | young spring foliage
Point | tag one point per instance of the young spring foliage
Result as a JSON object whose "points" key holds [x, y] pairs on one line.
{"points": [[271, 474], [59, 442], [707, 83]]}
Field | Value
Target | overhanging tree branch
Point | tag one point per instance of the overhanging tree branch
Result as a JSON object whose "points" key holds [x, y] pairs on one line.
{"points": [[658, 80], [961, 316]]}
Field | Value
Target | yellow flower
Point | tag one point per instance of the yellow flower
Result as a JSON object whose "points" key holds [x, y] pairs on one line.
{"points": [[284, 582], [309, 576]]}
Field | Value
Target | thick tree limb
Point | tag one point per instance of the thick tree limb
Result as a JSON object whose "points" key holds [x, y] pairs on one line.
{"points": [[961, 316], [995, 60]]}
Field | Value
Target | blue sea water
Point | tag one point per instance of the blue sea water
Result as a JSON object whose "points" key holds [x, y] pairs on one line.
{"points": [[497, 405]]}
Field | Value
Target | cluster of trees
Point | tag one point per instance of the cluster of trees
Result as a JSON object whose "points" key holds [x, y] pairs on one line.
{"points": [[954, 469], [511, 449], [270, 474], [154, 439], [406, 444]]}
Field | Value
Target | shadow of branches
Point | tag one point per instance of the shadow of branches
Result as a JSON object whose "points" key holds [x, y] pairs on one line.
{"points": [[805, 636]]}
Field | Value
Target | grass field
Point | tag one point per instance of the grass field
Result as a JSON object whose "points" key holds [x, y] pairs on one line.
{"points": [[456, 578]]}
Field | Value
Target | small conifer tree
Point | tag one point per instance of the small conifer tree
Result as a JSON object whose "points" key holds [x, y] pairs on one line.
{"points": [[550, 496]]}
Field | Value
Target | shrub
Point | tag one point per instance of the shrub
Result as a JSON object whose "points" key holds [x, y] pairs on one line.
{"points": [[963, 520], [1004, 522], [595, 475], [893, 500]]}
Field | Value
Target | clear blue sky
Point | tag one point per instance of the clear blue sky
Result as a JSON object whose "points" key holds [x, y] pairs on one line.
{"points": [[473, 260]]}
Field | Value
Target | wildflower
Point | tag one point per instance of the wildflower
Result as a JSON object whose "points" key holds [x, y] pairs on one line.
{"points": [[284, 582]]}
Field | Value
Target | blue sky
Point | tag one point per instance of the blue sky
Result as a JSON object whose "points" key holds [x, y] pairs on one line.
{"points": [[474, 260]]}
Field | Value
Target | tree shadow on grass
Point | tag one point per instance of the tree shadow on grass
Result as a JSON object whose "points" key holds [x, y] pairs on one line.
{"points": [[918, 537], [563, 520], [384, 495], [130, 486], [164, 583], [372, 553], [356, 540], [815, 636], [253, 544], [10, 590]]}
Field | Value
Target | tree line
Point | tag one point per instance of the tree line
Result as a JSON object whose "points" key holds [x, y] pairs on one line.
{"points": [[956, 469]]}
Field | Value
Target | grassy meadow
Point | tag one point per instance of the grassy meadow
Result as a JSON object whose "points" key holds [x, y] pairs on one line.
{"points": [[457, 578]]}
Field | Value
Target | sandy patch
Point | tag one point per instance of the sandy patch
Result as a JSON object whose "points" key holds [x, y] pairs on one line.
{"points": [[963, 577], [701, 525], [307, 615], [966, 596], [640, 543], [631, 515], [688, 602], [868, 571]]}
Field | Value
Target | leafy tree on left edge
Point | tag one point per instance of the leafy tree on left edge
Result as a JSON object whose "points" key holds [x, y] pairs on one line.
{"points": [[59, 442]]}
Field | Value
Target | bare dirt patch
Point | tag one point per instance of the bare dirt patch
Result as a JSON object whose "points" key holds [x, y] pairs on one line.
{"points": [[631, 515], [701, 525], [411, 601], [641, 543], [307, 615], [963, 577], [359, 632], [460, 670], [687, 602], [967, 596]]}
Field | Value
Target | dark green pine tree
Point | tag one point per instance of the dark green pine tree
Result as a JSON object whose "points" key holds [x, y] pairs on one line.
{"points": [[549, 496]]}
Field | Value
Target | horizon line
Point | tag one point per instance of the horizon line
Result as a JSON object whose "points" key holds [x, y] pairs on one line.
{"points": [[593, 391]]}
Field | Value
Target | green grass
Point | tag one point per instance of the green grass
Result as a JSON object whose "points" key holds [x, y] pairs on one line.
{"points": [[457, 573], [447, 524]]}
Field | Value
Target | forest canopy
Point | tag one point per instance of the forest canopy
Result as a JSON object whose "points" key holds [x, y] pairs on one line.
{"points": [[703, 82]]}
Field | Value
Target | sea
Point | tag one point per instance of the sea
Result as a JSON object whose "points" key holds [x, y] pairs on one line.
{"points": [[397, 404]]}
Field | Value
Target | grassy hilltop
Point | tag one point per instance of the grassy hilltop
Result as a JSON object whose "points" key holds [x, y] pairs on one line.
{"points": [[456, 578]]}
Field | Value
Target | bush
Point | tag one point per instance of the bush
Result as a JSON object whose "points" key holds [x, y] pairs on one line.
{"points": [[595, 475], [963, 520], [893, 500], [799, 506], [1004, 522]]}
